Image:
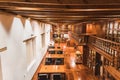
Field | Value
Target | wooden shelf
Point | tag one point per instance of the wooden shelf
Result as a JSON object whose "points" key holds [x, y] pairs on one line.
{"points": [[107, 56], [32, 37], [115, 73], [3, 49]]}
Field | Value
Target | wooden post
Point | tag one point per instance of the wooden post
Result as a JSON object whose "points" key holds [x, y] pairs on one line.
{"points": [[97, 64], [85, 54]]}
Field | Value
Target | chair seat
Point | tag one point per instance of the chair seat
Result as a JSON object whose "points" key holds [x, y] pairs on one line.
{"points": [[43, 76]]}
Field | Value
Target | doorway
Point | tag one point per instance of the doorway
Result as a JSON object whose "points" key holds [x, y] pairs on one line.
{"points": [[98, 64]]}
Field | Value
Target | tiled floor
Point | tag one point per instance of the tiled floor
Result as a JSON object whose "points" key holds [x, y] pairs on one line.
{"points": [[73, 71]]}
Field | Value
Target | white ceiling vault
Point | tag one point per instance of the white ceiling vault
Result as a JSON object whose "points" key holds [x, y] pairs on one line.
{"points": [[63, 11]]}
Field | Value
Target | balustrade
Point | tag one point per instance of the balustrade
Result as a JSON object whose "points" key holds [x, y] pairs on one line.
{"points": [[80, 39], [110, 48]]}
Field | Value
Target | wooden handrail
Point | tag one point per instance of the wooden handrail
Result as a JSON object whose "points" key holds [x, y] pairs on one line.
{"points": [[76, 40], [82, 34], [75, 34], [106, 40], [116, 49], [115, 73]]}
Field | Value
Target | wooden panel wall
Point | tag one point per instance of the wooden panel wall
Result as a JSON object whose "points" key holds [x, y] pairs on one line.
{"points": [[97, 28], [12, 0]]}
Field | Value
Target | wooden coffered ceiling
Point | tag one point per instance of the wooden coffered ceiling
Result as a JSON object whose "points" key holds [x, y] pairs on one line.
{"points": [[64, 11]]}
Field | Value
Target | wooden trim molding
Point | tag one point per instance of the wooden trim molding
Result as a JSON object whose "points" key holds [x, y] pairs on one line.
{"points": [[105, 40], [115, 73], [28, 39], [3, 49], [115, 48]]}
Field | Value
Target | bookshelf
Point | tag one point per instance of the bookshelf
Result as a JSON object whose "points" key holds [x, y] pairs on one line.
{"points": [[110, 50], [79, 39], [113, 31], [91, 60]]}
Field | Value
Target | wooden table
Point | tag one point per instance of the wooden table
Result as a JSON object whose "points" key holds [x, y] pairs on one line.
{"points": [[54, 49], [55, 56], [52, 69]]}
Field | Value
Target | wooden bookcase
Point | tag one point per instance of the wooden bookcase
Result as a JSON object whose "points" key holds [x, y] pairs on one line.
{"points": [[113, 31], [110, 50], [91, 60]]}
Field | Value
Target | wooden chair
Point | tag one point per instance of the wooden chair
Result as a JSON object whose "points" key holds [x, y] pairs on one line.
{"points": [[43, 76], [59, 61], [57, 76], [60, 52]]}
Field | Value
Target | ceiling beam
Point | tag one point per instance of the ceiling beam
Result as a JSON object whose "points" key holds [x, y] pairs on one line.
{"points": [[52, 6], [57, 5], [72, 17], [57, 9], [28, 0], [62, 13], [85, 1], [70, 20], [67, 13]]}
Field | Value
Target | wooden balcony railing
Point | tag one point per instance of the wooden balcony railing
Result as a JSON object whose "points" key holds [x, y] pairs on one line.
{"points": [[110, 47], [79, 39], [113, 72], [110, 50]]}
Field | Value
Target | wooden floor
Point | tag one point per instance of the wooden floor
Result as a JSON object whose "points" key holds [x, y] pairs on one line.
{"points": [[73, 71]]}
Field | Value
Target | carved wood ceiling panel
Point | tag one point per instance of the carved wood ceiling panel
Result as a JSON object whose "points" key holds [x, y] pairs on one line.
{"points": [[63, 13]]}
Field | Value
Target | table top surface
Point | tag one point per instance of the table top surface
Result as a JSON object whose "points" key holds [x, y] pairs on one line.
{"points": [[55, 49], [52, 69], [55, 55]]}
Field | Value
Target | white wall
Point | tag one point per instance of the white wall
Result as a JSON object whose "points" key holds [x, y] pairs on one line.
{"points": [[13, 30], [47, 33]]}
